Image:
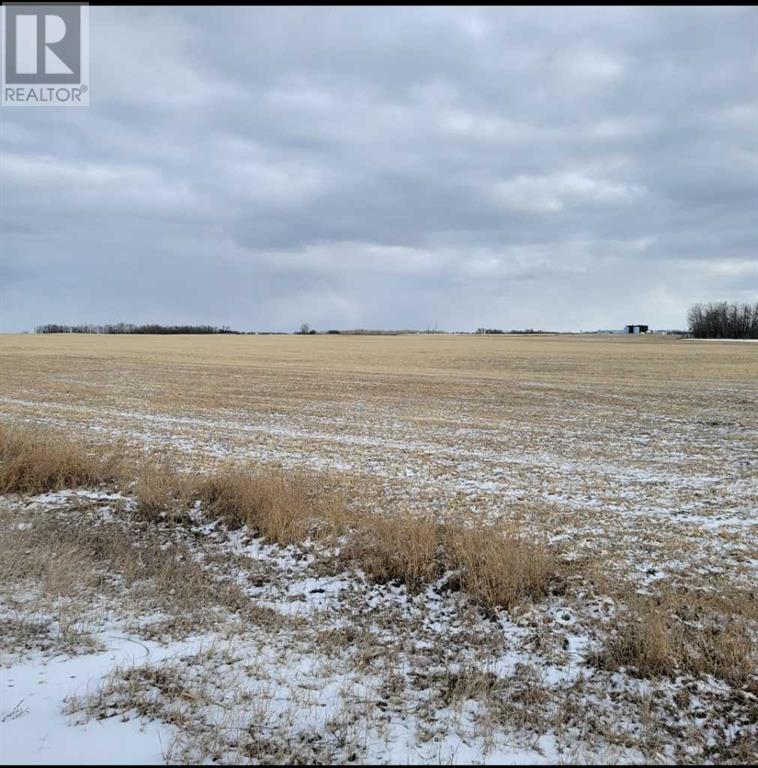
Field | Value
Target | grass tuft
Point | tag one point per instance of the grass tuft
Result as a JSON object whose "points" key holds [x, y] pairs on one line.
{"points": [[402, 547], [494, 564], [664, 636], [497, 566], [284, 509]]}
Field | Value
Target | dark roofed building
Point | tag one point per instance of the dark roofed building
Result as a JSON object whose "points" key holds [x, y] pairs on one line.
{"points": [[635, 329]]}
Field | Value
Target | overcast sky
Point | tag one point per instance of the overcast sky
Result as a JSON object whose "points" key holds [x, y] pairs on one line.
{"points": [[259, 168]]}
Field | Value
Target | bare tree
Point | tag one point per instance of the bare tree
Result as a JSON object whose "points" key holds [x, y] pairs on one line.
{"points": [[721, 320]]}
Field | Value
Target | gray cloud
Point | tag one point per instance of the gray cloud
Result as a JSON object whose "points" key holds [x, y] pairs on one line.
{"points": [[259, 168]]}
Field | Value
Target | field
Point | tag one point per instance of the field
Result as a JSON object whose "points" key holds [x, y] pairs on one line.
{"points": [[517, 548]]}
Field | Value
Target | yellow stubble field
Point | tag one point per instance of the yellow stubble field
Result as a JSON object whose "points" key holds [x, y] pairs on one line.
{"points": [[629, 448]]}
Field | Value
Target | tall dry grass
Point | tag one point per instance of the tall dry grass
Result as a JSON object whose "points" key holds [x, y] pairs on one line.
{"points": [[490, 562], [284, 508], [35, 461], [495, 565], [402, 547], [160, 492]]}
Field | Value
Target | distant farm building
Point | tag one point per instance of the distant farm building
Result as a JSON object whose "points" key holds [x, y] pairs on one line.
{"points": [[635, 329]]}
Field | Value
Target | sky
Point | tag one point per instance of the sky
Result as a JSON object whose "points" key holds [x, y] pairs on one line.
{"points": [[552, 168]]}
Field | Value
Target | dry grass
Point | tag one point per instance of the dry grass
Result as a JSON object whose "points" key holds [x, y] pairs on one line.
{"points": [[157, 562], [496, 566], [499, 567], [492, 563], [402, 547], [439, 422], [61, 632], [70, 559], [643, 642], [285, 509], [159, 491], [673, 633], [33, 461]]}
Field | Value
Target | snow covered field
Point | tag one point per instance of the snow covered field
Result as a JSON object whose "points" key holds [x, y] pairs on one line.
{"points": [[635, 459]]}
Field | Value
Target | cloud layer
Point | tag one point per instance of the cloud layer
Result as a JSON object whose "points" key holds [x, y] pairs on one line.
{"points": [[259, 168]]}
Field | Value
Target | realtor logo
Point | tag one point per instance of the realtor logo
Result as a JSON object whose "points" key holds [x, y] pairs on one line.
{"points": [[46, 54]]}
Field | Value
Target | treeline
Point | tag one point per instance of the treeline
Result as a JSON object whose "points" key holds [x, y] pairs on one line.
{"points": [[723, 320], [129, 328]]}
